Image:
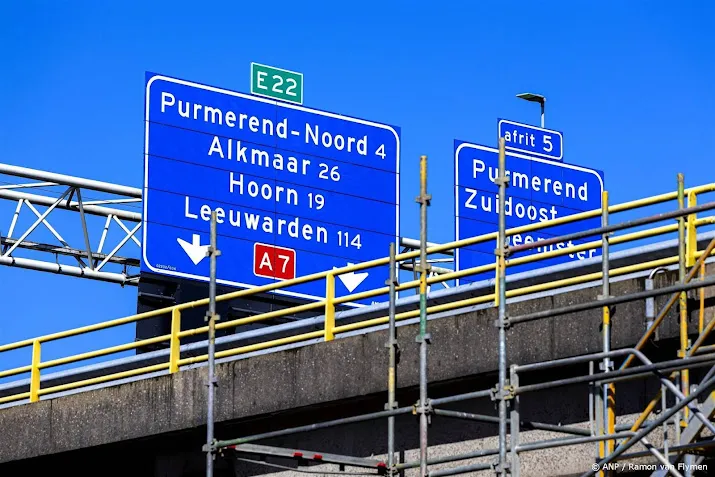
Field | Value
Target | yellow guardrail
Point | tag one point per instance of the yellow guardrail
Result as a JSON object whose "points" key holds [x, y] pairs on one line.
{"points": [[328, 304]]}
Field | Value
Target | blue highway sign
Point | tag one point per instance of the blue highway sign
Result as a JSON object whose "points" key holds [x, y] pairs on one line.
{"points": [[539, 190], [531, 140], [296, 190]]}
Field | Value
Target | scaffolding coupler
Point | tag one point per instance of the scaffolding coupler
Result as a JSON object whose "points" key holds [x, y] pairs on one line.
{"points": [[427, 409], [602, 367], [502, 181], [398, 350], [507, 251], [211, 448], [507, 393], [501, 468], [427, 337], [507, 322], [424, 199], [427, 267]]}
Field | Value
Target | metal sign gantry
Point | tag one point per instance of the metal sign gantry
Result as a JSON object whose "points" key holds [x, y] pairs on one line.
{"points": [[62, 192], [58, 193]]}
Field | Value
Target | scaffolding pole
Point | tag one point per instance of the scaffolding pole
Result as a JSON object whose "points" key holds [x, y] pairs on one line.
{"points": [[599, 379], [683, 309], [508, 390], [654, 424], [608, 390], [392, 365], [502, 181], [211, 317], [423, 407], [515, 425]]}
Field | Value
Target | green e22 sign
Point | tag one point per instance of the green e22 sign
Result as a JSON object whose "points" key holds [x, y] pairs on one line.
{"points": [[276, 83]]}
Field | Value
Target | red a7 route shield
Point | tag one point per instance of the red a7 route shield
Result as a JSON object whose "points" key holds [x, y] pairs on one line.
{"points": [[270, 261]]}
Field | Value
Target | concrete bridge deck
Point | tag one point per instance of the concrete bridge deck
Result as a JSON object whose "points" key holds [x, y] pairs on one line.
{"points": [[155, 426]]}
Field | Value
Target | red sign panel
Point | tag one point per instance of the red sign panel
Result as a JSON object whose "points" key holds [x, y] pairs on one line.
{"points": [[270, 261]]}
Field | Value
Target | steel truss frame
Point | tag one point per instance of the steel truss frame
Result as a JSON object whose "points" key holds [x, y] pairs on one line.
{"points": [[90, 261], [613, 441]]}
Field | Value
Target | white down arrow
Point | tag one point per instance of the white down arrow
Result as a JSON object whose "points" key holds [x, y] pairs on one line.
{"points": [[352, 280], [194, 250]]}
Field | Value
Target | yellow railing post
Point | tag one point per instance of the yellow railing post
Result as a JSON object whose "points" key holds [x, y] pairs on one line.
{"points": [[329, 307], [701, 314], [35, 372], [691, 233], [175, 340]]}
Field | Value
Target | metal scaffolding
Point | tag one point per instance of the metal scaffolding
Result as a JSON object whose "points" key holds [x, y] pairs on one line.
{"points": [[689, 413], [684, 408]]}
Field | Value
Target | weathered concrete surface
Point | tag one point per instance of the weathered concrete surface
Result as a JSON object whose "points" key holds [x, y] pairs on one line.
{"points": [[306, 380], [178, 455]]}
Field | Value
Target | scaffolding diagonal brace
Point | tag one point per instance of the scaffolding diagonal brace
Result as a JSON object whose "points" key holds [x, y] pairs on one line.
{"points": [[306, 457]]}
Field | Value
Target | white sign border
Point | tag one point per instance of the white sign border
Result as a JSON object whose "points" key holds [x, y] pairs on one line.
{"points": [[159, 271], [302, 81], [478, 147], [529, 153]]}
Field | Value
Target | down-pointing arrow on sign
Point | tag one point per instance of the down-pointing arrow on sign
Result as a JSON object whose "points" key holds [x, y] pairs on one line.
{"points": [[352, 280], [194, 250]]}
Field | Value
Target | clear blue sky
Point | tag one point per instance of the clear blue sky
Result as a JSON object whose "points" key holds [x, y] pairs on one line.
{"points": [[629, 84]]}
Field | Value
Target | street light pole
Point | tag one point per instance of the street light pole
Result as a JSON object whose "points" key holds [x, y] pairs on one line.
{"points": [[535, 98]]}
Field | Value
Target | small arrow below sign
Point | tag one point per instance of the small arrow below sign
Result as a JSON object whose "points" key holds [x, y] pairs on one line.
{"points": [[352, 280], [194, 250]]}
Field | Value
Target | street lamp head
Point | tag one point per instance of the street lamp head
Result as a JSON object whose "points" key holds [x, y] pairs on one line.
{"points": [[535, 98]]}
